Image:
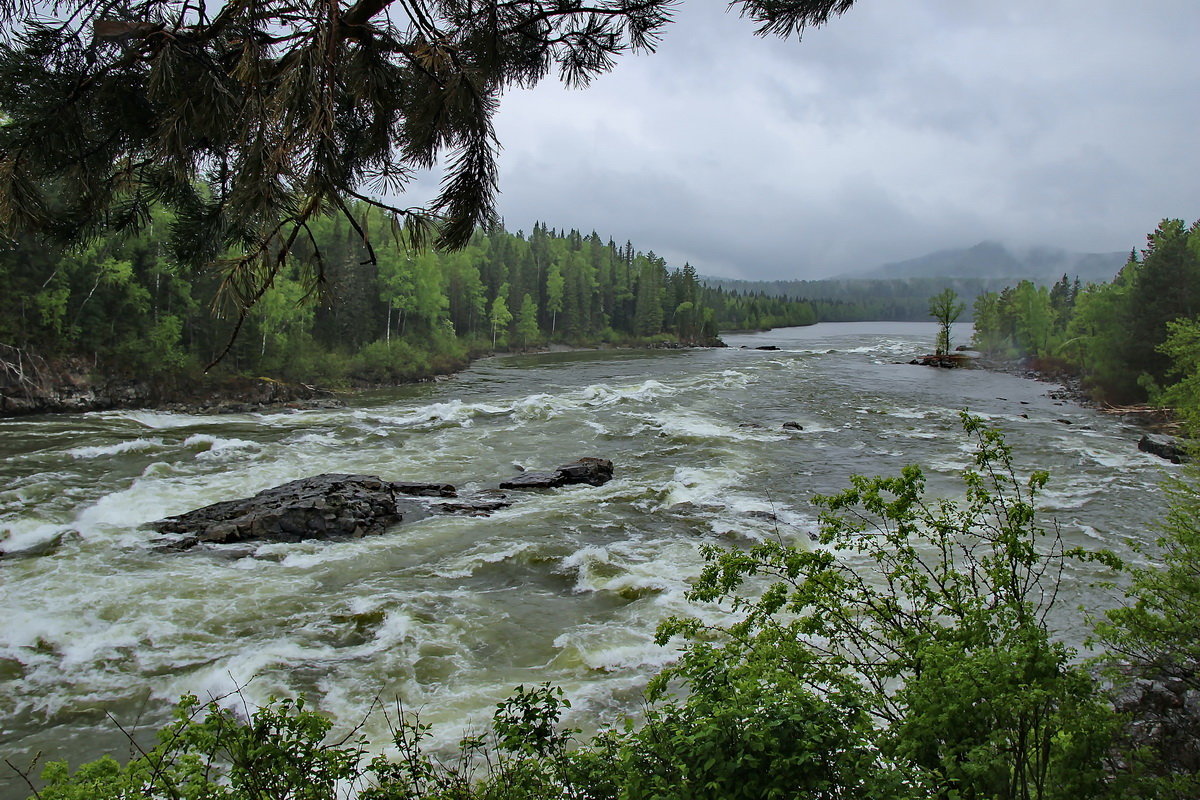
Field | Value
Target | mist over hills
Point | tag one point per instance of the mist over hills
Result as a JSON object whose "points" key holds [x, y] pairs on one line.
{"points": [[990, 260], [901, 290]]}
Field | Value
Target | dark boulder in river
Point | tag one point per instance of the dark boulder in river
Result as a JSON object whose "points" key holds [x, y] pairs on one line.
{"points": [[331, 506], [1167, 447], [594, 471]]}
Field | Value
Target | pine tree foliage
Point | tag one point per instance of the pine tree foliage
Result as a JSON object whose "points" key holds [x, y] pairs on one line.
{"points": [[124, 305], [250, 119]]}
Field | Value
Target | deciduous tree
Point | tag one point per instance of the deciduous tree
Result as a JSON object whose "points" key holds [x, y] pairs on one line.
{"points": [[945, 308]]}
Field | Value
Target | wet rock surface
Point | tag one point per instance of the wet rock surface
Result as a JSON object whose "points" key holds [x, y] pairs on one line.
{"points": [[1163, 716], [1163, 446], [592, 471], [36, 386], [345, 506], [331, 506]]}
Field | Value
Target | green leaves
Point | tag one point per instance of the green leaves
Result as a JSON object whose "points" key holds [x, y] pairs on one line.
{"points": [[933, 614], [208, 753]]}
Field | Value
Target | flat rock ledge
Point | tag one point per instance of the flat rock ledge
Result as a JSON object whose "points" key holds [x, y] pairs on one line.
{"points": [[344, 506], [593, 471]]}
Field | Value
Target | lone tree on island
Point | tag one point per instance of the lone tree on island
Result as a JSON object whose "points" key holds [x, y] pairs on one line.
{"points": [[245, 120], [945, 308]]}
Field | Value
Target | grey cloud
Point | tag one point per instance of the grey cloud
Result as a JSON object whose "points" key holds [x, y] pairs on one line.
{"points": [[899, 129]]}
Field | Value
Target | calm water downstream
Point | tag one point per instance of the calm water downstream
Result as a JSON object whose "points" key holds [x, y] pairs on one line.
{"points": [[450, 613]]}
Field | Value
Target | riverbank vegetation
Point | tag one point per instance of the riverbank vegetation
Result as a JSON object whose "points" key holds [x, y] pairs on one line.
{"points": [[1133, 340], [128, 306], [911, 654]]}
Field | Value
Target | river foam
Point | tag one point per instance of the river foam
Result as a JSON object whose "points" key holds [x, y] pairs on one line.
{"points": [[448, 614]]}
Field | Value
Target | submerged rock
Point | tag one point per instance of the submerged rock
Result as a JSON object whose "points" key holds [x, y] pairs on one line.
{"points": [[1167, 447], [329, 506], [594, 471], [472, 507], [42, 548], [425, 489]]}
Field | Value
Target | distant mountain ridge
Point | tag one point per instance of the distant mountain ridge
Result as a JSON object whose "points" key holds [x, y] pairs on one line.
{"points": [[901, 290], [992, 260]]}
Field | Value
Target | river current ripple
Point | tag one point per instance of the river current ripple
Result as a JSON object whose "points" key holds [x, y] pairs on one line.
{"points": [[449, 614]]}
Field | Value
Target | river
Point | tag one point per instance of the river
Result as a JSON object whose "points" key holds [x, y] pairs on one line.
{"points": [[448, 614]]}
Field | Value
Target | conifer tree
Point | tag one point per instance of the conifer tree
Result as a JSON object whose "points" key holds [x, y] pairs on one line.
{"points": [[252, 120]]}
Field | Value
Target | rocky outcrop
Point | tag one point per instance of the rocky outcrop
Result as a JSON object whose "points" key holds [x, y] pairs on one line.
{"points": [[1163, 717], [1167, 447], [593, 471], [331, 506], [32, 385], [344, 506]]}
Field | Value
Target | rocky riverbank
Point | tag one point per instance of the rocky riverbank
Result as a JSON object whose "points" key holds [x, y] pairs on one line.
{"points": [[36, 386], [1161, 428], [33, 385]]}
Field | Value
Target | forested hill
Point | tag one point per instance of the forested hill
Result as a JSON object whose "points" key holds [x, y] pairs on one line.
{"points": [[994, 261], [856, 300], [125, 305], [901, 290]]}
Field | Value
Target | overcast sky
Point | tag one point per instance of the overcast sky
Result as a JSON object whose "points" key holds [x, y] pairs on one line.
{"points": [[903, 127]]}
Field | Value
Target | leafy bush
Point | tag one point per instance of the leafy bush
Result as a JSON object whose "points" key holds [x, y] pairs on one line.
{"points": [[933, 614], [208, 753]]}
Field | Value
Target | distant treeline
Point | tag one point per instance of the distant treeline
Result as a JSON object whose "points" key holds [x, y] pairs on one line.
{"points": [[861, 300], [126, 304], [1134, 339]]}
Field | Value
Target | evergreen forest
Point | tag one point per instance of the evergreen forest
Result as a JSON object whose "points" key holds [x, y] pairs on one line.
{"points": [[341, 314]]}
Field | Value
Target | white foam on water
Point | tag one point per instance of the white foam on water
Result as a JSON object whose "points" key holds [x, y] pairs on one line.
{"points": [[731, 379], [245, 676], [646, 392], [1123, 460], [697, 486], [480, 556], [123, 510], [1070, 497], [692, 426], [215, 447], [604, 648], [23, 533], [96, 451], [907, 414], [1087, 530], [161, 420]]}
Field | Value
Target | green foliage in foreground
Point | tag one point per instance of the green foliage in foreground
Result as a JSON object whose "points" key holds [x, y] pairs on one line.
{"points": [[908, 655]]}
